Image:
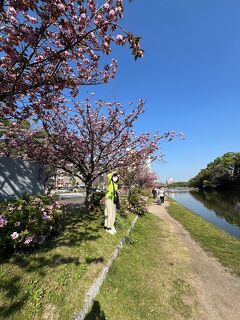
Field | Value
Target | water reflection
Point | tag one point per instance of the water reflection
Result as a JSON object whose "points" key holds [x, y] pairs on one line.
{"points": [[224, 204], [219, 208]]}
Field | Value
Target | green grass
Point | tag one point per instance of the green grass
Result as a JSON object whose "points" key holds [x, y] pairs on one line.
{"points": [[149, 280], [51, 282], [212, 239], [150, 201]]}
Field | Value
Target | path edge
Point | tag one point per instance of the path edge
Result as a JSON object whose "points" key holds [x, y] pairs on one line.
{"points": [[96, 286]]}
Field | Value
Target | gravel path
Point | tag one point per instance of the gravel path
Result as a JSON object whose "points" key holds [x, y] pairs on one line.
{"points": [[217, 289]]}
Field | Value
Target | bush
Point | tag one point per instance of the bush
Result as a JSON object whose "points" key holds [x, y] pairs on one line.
{"points": [[97, 196], [27, 222], [137, 204], [124, 207], [146, 193]]}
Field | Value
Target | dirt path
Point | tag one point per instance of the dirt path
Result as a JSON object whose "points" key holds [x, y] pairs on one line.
{"points": [[218, 291]]}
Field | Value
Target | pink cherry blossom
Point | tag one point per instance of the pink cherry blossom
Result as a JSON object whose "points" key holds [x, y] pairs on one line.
{"points": [[14, 235], [3, 221], [112, 14], [119, 39], [28, 240], [61, 6], [45, 216]]}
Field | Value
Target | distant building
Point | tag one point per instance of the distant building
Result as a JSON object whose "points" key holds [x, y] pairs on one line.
{"points": [[169, 181], [62, 179], [149, 163]]}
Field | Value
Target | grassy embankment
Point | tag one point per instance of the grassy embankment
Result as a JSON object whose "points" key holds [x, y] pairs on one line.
{"points": [[51, 282], [212, 239], [149, 280]]}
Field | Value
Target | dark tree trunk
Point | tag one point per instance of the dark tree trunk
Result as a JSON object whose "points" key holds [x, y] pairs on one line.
{"points": [[88, 196]]}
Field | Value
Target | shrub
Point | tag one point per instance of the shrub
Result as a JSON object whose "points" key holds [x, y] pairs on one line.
{"points": [[146, 193], [137, 204], [27, 221], [124, 207], [97, 196]]}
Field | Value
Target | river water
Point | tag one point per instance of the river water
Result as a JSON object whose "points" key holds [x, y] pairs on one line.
{"points": [[219, 208]]}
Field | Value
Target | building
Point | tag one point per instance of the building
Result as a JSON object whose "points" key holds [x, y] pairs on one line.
{"points": [[148, 163], [61, 179], [169, 181]]}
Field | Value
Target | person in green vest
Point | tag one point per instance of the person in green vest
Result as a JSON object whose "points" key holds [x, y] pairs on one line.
{"points": [[110, 200]]}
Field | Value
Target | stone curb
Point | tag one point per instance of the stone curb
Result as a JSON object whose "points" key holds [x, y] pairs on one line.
{"points": [[94, 289]]}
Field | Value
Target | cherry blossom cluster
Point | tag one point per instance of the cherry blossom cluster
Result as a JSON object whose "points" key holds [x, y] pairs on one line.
{"points": [[138, 175], [48, 49]]}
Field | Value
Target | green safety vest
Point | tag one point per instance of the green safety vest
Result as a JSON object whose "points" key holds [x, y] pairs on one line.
{"points": [[111, 187]]}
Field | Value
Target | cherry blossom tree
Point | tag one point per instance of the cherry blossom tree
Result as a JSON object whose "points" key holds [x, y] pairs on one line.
{"points": [[145, 178], [49, 49], [88, 140], [137, 175]]}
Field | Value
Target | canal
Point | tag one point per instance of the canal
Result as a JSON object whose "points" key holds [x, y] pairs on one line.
{"points": [[219, 208]]}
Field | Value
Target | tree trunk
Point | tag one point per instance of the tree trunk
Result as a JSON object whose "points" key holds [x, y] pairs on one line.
{"points": [[88, 198], [127, 192]]}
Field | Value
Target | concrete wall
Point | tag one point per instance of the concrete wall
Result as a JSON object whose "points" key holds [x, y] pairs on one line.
{"points": [[18, 177]]}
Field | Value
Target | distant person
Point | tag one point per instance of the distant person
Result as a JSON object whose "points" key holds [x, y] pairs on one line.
{"points": [[162, 194], [154, 192]]}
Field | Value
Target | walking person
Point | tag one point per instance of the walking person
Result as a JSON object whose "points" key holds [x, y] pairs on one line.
{"points": [[154, 192], [158, 195], [162, 194]]}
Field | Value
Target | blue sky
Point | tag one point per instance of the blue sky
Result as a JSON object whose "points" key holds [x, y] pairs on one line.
{"points": [[189, 76]]}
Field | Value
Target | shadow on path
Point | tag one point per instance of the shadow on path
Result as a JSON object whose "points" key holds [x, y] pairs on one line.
{"points": [[96, 313]]}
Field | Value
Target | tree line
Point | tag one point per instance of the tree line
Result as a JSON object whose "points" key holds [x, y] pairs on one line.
{"points": [[222, 173]]}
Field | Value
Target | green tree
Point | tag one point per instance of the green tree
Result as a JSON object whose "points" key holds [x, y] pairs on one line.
{"points": [[223, 172]]}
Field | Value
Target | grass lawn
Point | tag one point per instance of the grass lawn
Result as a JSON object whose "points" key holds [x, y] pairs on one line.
{"points": [[212, 239], [51, 282], [149, 280]]}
